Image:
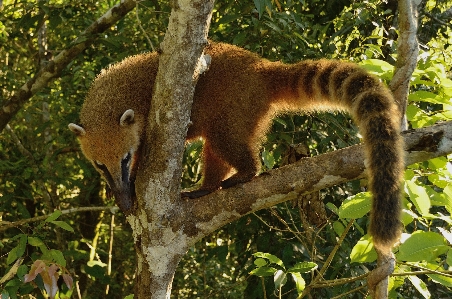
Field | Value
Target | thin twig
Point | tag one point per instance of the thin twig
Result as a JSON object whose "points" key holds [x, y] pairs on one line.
{"points": [[327, 262], [349, 292], [4, 225], [110, 250], [142, 29]]}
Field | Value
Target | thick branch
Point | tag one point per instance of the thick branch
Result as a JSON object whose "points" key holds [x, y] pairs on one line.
{"points": [[210, 212], [11, 106], [407, 50]]}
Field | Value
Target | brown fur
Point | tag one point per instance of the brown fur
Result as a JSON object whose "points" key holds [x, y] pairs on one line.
{"points": [[234, 104]]}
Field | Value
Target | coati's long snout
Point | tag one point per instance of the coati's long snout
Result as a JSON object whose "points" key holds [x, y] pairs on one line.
{"points": [[114, 155], [124, 196]]}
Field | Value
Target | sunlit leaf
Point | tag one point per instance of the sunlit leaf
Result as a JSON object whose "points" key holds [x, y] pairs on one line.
{"points": [[12, 271], [418, 197], [422, 246], [272, 258], [356, 206], [303, 267], [363, 251], [280, 279], [260, 262], [420, 286], [441, 279], [263, 271], [300, 283]]}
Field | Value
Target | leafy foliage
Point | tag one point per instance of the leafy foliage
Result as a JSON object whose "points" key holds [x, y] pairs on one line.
{"points": [[43, 172]]}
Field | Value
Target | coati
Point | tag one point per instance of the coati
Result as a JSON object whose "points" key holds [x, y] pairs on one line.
{"points": [[233, 107]]}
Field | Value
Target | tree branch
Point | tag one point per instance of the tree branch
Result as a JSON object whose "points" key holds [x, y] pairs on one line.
{"points": [[407, 53], [207, 214], [52, 69], [4, 225]]}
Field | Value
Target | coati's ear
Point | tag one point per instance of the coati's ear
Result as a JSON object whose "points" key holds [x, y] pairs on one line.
{"points": [[127, 118], [78, 130]]}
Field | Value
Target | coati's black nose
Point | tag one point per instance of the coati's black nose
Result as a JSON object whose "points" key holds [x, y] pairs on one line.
{"points": [[125, 197]]}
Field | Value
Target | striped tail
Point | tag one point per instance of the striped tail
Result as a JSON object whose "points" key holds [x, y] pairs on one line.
{"points": [[372, 106]]}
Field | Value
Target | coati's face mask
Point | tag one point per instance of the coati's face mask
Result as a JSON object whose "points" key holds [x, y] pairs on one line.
{"points": [[114, 152]]}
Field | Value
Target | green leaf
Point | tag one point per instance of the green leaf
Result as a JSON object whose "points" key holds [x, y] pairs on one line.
{"points": [[378, 67], [444, 280], [95, 271], [449, 257], [58, 257], [426, 96], [418, 197], [269, 160], [17, 251], [356, 206], [437, 163], [53, 216], [12, 255], [420, 286], [260, 262], [34, 241], [272, 258], [300, 283], [448, 191], [22, 244], [338, 227], [63, 225], [422, 246], [21, 271], [280, 279], [260, 6], [303, 267], [263, 271], [363, 251], [129, 296]]}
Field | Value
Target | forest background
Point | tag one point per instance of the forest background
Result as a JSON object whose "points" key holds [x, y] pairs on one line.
{"points": [[42, 169]]}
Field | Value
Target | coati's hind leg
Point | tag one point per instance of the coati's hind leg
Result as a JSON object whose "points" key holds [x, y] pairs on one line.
{"points": [[214, 171], [243, 159]]}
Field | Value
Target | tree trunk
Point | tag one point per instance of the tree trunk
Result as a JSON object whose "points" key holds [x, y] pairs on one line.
{"points": [[159, 234]]}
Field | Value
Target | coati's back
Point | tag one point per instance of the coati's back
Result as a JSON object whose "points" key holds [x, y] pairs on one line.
{"points": [[233, 106]]}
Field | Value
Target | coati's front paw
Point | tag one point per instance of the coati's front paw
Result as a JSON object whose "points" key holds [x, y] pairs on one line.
{"points": [[196, 193]]}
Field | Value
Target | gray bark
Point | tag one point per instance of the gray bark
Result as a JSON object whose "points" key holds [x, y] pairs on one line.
{"points": [[160, 239]]}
